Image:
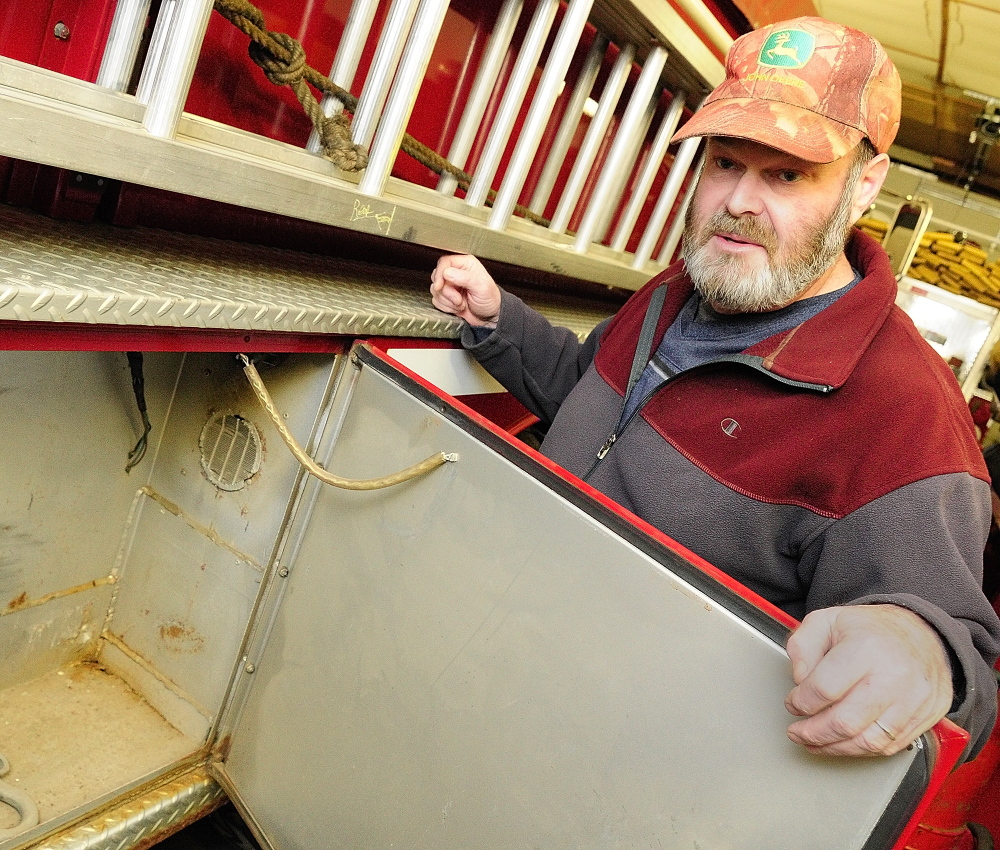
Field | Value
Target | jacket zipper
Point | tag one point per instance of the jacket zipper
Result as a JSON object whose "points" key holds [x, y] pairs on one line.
{"points": [[741, 359]]}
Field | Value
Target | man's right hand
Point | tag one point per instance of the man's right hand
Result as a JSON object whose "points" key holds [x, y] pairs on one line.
{"points": [[461, 286]]}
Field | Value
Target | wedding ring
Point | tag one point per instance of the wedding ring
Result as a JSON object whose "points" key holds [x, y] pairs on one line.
{"points": [[887, 732]]}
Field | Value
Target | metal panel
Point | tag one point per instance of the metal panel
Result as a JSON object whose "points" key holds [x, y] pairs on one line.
{"points": [[446, 670], [184, 603], [68, 422]]}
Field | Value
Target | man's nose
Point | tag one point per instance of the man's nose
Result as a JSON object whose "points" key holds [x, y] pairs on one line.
{"points": [[746, 197]]}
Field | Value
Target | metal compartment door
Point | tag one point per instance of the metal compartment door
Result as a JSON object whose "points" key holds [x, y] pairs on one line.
{"points": [[488, 657]]}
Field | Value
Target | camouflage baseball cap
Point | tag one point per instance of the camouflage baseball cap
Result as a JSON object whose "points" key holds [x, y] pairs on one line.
{"points": [[809, 87]]}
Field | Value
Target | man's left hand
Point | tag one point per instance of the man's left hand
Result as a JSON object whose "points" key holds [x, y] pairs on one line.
{"points": [[869, 680]]}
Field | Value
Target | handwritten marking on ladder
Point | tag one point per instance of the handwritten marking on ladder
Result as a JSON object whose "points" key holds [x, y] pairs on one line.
{"points": [[383, 220]]}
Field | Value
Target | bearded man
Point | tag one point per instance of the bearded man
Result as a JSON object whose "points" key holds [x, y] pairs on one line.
{"points": [[746, 401]]}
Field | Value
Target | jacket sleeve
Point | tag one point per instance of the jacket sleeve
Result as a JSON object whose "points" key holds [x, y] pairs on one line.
{"points": [[538, 363], [921, 547]]}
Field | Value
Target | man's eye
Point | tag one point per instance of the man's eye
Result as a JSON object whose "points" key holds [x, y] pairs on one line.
{"points": [[789, 176], [724, 164]]}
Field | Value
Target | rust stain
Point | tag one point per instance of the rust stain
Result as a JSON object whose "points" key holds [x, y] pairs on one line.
{"points": [[181, 638], [190, 818], [221, 751], [23, 601]]}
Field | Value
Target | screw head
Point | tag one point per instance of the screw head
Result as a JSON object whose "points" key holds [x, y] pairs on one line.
{"points": [[61, 31], [283, 572], [249, 668]]}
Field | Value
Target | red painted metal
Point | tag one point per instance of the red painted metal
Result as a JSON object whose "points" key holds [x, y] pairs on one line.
{"points": [[29, 33], [944, 825], [947, 743], [54, 336], [23, 29], [502, 409]]}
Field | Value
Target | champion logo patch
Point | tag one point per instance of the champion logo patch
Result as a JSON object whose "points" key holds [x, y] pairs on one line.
{"points": [[730, 427], [787, 49]]}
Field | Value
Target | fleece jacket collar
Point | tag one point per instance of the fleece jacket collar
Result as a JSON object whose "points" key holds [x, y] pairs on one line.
{"points": [[825, 349]]}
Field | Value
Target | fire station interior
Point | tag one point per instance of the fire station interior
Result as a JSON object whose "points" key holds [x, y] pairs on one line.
{"points": [[148, 497]]}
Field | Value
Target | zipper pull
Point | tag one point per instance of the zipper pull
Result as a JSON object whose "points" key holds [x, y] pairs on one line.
{"points": [[608, 443]]}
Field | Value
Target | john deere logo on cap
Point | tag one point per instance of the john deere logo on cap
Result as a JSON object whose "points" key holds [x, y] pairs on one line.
{"points": [[787, 49]]}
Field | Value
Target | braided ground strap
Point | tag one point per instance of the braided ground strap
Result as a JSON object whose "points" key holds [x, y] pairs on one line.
{"points": [[313, 468]]}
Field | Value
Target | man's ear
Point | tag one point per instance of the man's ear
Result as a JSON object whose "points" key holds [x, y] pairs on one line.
{"points": [[869, 183]]}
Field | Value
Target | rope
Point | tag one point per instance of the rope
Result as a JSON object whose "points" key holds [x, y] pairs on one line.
{"points": [[283, 61], [314, 468]]}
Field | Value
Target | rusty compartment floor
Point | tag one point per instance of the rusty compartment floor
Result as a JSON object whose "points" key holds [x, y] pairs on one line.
{"points": [[77, 733]]}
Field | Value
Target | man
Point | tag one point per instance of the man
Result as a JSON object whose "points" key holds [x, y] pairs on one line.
{"points": [[765, 431]]}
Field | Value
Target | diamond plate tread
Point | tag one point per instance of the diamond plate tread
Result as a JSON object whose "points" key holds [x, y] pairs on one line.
{"points": [[55, 271], [157, 813]]}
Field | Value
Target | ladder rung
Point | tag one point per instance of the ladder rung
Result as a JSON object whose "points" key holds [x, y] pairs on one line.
{"points": [[383, 68], [623, 148], [513, 98], [678, 171], [593, 139], [571, 121], [412, 67], [122, 48], [482, 88], [175, 69], [649, 171], [526, 148]]}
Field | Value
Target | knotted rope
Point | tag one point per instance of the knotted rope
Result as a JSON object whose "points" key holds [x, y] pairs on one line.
{"points": [[283, 61]]}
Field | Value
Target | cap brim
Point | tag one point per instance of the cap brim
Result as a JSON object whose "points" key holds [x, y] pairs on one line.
{"points": [[787, 128]]}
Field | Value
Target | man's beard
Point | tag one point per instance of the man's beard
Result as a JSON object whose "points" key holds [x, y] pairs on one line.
{"points": [[729, 283]]}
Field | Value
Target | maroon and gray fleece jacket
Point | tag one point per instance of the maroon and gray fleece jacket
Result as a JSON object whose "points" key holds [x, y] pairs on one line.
{"points": [[833, 464]]}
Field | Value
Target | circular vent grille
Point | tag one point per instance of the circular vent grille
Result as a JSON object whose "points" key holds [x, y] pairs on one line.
{"points": [[230, 451]]}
